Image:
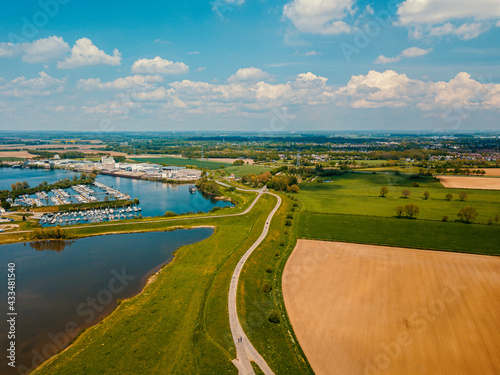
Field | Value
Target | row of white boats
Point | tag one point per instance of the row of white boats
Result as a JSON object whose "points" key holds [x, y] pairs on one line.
{"points": [[60, 196], [90, 216]]}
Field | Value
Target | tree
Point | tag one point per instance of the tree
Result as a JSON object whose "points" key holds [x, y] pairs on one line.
{"points": [[294, 188], [463, 196], [384, 190], [496, 218], [412, 210], [426, 195], [406, 193], [238, 162], [449, 197], [445, 218], [467, 214], [399, 211]]}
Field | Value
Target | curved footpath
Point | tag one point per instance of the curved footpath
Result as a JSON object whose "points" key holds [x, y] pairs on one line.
{"points": [[245, 351]]}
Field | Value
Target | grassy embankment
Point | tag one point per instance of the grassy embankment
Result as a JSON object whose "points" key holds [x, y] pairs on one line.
{"points": [[349, 209], [179, 324]]}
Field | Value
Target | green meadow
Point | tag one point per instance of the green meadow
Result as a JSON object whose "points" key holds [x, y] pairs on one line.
{"points": [[358, 194]]}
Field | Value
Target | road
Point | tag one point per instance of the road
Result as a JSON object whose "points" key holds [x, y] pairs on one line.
{"points": [[245, 351]]}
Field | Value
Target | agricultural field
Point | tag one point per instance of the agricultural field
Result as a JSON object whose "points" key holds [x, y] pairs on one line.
{"points": [[359, 194], [468, 182], [182, 162], [360, 309], [246, 169]]}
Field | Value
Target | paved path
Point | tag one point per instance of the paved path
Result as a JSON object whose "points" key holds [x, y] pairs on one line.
{"points": [[245, 351]]}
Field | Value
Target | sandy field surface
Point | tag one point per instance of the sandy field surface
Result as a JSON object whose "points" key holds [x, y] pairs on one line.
{"points": [[492, 171], [459, 182], [87, 149], [15, 154], [362, 309]]}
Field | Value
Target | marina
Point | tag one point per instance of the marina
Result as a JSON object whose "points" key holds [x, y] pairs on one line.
{"points": [[90, 216]]}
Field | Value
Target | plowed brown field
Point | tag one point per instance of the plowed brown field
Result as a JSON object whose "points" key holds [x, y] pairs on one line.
{"points": [[361, 309]]}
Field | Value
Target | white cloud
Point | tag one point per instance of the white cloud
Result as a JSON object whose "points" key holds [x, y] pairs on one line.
{"points": [[465, 31], [390, 89], [434, 17], [44, 50], [312, 53], [38, 51], [123, 83], [44, 85], [319, 16], [193, 53], [85, 53], [248, 75], [159, 66], [407, 53]]}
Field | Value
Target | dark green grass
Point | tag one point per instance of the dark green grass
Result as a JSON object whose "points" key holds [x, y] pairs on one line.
{"points": [[358, 194], [182, 162], [423, 234]]}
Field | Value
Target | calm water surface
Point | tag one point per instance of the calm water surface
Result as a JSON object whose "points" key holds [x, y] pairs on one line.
{"points": [[156, 198], [61, 285]]}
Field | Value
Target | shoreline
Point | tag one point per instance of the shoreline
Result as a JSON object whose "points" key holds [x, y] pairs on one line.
{"points": [[149, 279]]}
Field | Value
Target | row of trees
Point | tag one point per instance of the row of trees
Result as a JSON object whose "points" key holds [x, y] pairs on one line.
{"points": [[384, 190], [466, 214]]}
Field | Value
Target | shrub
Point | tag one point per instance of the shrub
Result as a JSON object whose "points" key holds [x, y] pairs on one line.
{"points": [[288, 223], [266, 288], [277, 254], [269, 270], [426, 195], [274, 317], [289, 216], [416, 184], [169, 214], [445, 218]]}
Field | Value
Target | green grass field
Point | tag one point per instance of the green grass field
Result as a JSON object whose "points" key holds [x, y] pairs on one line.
{"points": [[182, 162], [11, 159], [422, 234], [358, 194], [246, 169]]}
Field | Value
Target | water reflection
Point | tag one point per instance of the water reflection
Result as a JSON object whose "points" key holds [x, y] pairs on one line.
{"points": [[51, 245]]}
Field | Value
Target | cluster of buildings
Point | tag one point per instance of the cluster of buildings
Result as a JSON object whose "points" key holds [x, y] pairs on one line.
{"points": [[108, 165]]}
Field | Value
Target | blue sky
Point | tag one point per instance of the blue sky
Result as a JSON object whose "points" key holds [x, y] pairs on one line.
{"points": [[412, 65]]}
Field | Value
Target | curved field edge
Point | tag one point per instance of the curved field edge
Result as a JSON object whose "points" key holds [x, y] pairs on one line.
{"points": [[420, 234], [276, 342], [177, 324]]}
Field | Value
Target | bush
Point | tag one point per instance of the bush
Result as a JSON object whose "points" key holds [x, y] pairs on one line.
{"points": [[277, 254], [445, 218], [416, 184], [274, 317], [269, 270], [170, 214], [266, 288], [288, 223], [289, 216], [231, 189]]}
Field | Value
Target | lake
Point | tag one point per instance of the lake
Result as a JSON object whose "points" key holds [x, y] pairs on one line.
{"points": [[155, 197], [65, 286]]}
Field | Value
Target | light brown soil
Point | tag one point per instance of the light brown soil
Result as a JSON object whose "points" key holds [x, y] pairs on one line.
{"points": [[492, 171], [459, 182], [16, 154], [361, 309]]}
